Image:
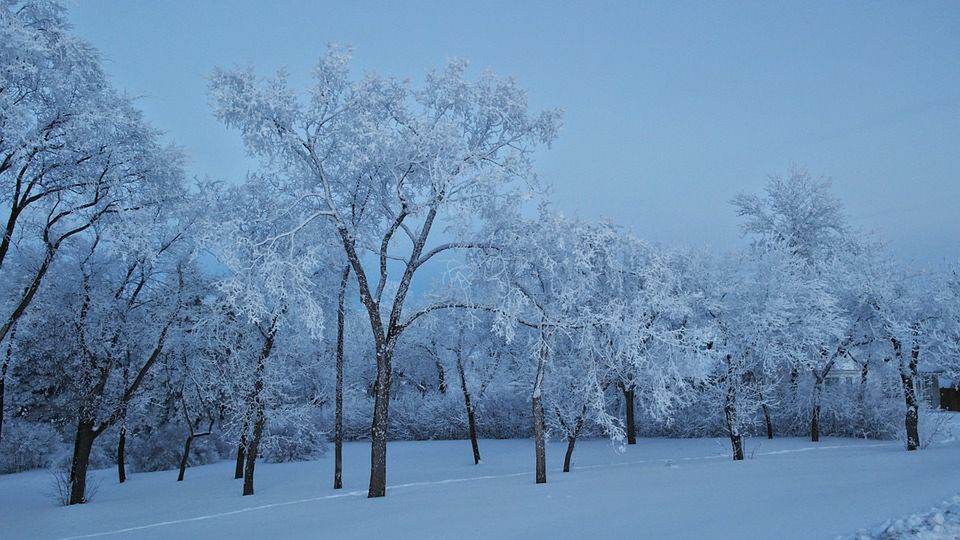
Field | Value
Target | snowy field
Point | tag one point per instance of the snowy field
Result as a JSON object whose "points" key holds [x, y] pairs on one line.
{"points": [[660, 488]]}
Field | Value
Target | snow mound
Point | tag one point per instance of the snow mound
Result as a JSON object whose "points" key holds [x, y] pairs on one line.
{"points": [[941, 522]]}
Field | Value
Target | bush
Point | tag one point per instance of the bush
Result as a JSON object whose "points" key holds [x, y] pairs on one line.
{"points": [[160, 448], [295, 436], [28, 445]]}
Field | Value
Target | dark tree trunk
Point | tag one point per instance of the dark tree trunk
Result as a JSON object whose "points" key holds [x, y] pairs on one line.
{"points": [[472, 426], [766, 415], [912, 417], [538, 436], [185, 457], [862, 393], [253, 449], [7, 359], [815, 412], [121, 454], [539, 431], [628, 395], [122, 440], [736, 442], [338, 420], [3, 384], [81, 461], [571, 441], [258, 409], [730, 412], [572, 437], [378, 430], [908, 377], [192, 432], [767, 420], [241, 452], [471, 413]]}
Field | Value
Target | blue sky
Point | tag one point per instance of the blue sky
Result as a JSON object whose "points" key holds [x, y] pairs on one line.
{"points": [[671, 108]]}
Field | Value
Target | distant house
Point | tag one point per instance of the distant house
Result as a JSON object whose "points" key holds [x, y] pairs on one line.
{"points": [[932, 389], [844, 371]]}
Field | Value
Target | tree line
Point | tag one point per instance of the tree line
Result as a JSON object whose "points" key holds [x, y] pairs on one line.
{"points": [[257, 319]]}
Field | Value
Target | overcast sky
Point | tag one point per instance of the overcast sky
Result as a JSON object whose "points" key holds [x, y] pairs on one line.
{"points": [[671, 108]]}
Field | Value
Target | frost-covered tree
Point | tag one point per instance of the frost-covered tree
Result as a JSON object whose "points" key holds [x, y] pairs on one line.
{"points": [[547, 273], [273, 281], [798, 213], [768, 314], [120, 300], [460, 343], [452, 148], [649, 330], [910, 314], [800, 219], [948, 329], [73, 152]]}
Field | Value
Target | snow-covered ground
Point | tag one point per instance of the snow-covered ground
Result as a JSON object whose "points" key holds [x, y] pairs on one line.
{"points": [[660, 488], [943, 521]]}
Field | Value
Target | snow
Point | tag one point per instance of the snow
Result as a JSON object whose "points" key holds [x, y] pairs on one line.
{"points": [[943, 521], [660, 488]]}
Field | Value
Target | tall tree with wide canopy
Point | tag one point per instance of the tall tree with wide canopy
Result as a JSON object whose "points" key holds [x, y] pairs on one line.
{"points": [[407, 157]]}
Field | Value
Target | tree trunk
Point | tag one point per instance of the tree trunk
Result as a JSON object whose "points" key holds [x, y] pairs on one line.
{"points": [[378, 431], [569, 454], [912, 417], [472, 426], [538, 422], [252, 450], [3, 383], [338, 416], [730, 412], [259, 413], [538, 435], [908, 378], [862, 393], [628, 395], [81, 461], [183, 459], [471, 413], [241, 452], [7, 360], [767, 420], [815, 412], [572, 439], [121, 454], [766, 415]]}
